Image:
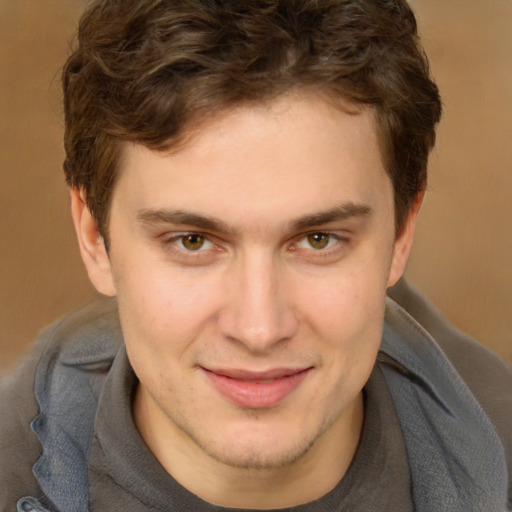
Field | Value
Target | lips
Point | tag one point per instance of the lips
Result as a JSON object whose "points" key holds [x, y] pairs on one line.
{"points": [[257, 390]]}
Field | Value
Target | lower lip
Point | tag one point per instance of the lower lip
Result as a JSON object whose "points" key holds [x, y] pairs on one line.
{"points": [[256, 395]]}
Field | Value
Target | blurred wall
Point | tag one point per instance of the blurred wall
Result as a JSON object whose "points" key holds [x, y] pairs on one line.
{"points": [[41, 276], [463, 254]]}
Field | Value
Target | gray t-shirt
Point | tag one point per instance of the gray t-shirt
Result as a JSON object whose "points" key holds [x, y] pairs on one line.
{"points": [[124, 475]]}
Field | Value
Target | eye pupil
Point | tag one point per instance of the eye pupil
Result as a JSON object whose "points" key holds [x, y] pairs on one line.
{"points": [[193, 242], [318, 240]]}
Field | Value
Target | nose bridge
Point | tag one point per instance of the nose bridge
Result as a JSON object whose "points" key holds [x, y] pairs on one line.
{"points": [[258, 313]]}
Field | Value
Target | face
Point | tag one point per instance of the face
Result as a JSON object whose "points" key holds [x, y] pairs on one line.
{"points": [[250, 268]]}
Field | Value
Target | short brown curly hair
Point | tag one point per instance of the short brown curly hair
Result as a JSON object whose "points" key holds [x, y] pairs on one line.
{"points": [[146, 70]]}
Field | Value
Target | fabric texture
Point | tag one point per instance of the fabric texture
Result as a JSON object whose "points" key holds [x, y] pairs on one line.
{"points": [[458, 438], [64, 425], [457, 459]]}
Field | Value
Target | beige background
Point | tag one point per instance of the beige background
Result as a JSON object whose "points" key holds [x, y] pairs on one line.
{"points": [[463, 254]]}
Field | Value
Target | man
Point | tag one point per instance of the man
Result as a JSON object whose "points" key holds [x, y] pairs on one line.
{"points": [[245, 179]]}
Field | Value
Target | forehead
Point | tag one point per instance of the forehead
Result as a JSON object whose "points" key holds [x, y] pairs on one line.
{"points": [[276, 157]]}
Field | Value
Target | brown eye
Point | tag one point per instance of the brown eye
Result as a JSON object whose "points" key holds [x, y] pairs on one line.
{"points": [[318, 240], [193, 242]]}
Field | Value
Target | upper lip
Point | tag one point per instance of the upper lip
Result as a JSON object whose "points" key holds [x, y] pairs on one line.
{"points": [[249, 375]]}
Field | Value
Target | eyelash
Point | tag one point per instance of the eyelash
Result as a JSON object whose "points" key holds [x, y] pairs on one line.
{"points": [[174, 243], [339, 244]]}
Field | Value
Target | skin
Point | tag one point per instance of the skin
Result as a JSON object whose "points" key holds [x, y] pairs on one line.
{"points": [[266, 243]]}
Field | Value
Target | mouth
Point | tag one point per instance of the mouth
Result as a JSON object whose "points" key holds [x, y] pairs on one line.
{"points": [[257, 390]]}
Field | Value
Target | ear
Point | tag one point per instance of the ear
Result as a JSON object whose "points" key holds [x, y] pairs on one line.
{"points": [[403, 243], [91, 244]]}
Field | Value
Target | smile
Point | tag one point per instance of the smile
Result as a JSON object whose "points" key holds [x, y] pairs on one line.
{"points": [[256, 390]]}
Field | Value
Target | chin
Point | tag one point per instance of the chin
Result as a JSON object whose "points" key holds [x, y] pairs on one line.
{"points": [[253, 448], [259, 459]]}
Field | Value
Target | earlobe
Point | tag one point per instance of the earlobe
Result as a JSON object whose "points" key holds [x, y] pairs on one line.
{"points": [[403, 243], [92, 245]]}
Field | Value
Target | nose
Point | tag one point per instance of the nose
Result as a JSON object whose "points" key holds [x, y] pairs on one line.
{"points": [[259, 310]]}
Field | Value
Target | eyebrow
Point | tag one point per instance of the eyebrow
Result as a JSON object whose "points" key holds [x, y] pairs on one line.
{"points": [[149, 216], [341, 212]]}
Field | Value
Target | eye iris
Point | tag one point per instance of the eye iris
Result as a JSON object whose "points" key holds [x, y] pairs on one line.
{"points": [[193, 242], [318, 240]]}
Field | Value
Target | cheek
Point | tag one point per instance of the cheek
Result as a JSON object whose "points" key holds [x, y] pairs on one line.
{"points": [[346, 314], [347, 305], [162, 312], [346, 319]]}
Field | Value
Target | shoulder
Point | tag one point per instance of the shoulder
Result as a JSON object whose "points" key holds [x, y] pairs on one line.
{"points": [[87, 336], [486, 375], [483, 371], [18, 445]]}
